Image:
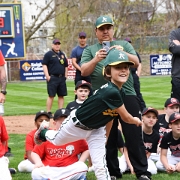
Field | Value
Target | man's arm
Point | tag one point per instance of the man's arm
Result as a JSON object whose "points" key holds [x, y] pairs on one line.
{"points": [[174, 44], [74, 63], [66, 72], [3, 80], [46, 73], [88, 67]]}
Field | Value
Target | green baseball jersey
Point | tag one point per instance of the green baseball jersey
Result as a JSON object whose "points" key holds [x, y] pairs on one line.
{"points": [[99, 109], [97, 78]]}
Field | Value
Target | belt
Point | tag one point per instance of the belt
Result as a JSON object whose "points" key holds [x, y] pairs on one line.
{"points": [[60, 75], [80, 125]]}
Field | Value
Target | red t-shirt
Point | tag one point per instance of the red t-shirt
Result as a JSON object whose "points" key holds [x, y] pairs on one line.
{"points": [[3, 137], [29, 144], [2, 61], [60, 156]]}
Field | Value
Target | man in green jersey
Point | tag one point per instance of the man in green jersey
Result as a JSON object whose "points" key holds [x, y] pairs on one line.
{"points": [[101, 108], [92, 61]]}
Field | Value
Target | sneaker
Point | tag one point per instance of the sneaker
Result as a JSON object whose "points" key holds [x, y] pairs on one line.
{"points": [[12, 170], [50, 115], [37, 139], [91, 169], [113, 177], [144, 177]]}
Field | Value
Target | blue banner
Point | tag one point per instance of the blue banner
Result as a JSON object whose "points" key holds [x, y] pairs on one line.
{"points": [[160, 64], [12, 38], [31, 70]]}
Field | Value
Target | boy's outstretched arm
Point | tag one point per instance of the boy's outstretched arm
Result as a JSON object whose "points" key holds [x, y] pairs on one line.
{"points": [[128, 118]]}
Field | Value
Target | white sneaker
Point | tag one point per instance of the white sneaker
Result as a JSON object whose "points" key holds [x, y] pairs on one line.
{"points": [[91, 169], [44, 125]]}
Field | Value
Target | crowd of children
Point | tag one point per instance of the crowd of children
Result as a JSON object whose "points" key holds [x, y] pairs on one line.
{"points": [[78, 136]]}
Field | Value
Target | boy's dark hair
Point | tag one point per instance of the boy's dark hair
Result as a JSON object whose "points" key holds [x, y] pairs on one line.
{"points": [[107, 71]]}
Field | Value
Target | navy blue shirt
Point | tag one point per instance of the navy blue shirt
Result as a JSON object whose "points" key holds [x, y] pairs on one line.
{"points": [[55, 62], [77, 53]]}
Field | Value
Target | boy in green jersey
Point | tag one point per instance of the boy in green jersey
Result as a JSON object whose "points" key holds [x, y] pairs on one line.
{"points": [[96, 112]]}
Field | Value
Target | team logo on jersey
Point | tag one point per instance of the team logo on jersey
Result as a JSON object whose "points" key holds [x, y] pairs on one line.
{"points": [[110, 112], [61, 152], [148, 145]]}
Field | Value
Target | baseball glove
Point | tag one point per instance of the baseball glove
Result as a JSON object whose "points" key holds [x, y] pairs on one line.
{"points": [[37, 138]]}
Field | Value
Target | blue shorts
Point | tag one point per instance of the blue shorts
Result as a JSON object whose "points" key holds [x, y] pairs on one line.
{"points": [[57, 85]]}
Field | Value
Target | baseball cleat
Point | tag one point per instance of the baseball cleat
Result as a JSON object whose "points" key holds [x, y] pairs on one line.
{"points": [[37, 138]]}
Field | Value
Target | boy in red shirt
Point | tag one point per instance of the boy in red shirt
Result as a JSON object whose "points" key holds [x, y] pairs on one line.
{"points": [[26, 165], [60, 162]]}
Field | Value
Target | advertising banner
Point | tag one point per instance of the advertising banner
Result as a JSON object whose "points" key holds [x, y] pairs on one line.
{"points": [[160, 64], [31, 70]]}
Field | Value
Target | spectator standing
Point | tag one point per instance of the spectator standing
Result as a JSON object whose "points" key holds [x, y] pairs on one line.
{"points": [[136, 72], [55, 67], [92, 64], [27, 164], [60, 162], [76, 57], [174, 48]]}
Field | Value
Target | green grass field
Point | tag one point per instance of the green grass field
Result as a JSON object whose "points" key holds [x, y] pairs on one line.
{"points": [[30, 97]]}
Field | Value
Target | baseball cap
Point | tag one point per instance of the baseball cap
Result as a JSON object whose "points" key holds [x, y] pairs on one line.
{"points": [[56, 41], [82, 34], [40, 113], [150, 109], [61, 113], [102, 20], [128, 39], [115, 57], [174, 117], [82, 83], [171, 101]]}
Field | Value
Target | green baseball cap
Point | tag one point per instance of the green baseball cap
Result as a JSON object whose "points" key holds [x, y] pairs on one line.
{"points": [[102, 20], [115, 57]]}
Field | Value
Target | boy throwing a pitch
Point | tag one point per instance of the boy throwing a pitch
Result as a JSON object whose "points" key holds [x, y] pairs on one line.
{"points": [[96, 112]]}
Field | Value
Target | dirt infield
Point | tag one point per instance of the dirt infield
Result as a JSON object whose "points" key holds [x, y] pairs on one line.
{"points": [[24, 124], [20, 124]]}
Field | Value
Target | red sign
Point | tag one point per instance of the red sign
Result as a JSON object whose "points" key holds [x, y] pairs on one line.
{"points": [[71, 70]]}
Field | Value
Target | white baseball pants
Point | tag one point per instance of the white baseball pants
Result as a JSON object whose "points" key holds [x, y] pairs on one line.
{"points": [[25, 166], [71, 172], [4, 170], [171, 160], [124, 166], [95, 138]]}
